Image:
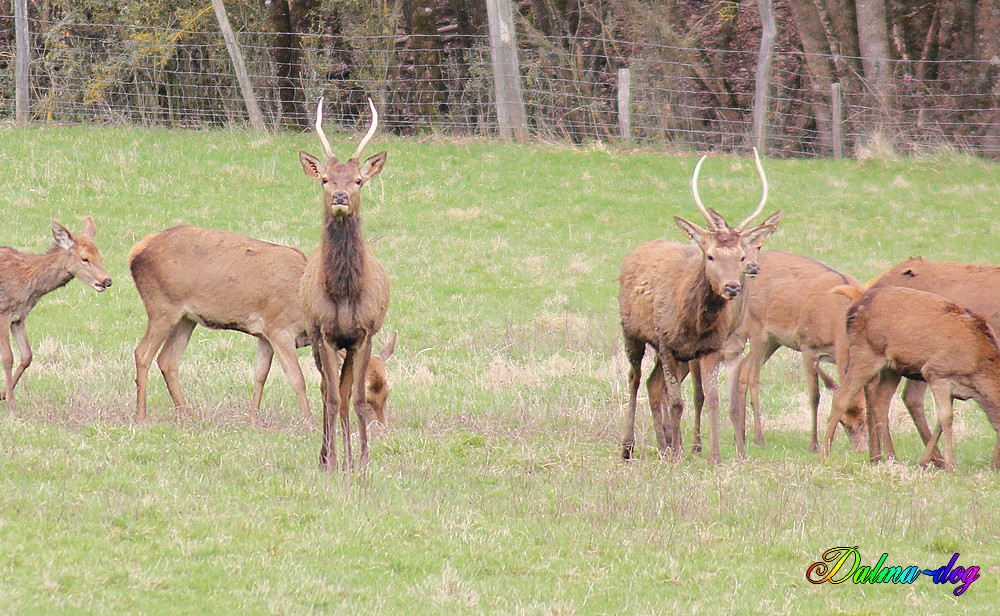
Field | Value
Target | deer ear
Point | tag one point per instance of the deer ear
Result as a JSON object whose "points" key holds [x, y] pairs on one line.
{"points": [[373, 166], [88, 228], [64, 239], [692, 230], [311, 165], [755, 237], [774, 218], [717, 219], [389, 347]]}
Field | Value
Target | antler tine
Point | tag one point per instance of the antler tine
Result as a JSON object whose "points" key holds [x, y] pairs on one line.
{"points": [[371, 131], [763, 199], [319, 129], [697, 199]]}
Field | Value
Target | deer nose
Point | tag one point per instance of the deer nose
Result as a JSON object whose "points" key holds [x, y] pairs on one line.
{"points": [[732, 290], [107, 283], [753, 269], [340, 197]]}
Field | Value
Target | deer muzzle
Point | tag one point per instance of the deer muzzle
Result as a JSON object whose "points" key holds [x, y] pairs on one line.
{"points": [[731, 290]]}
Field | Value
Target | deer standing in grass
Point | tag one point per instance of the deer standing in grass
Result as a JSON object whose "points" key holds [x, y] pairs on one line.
{"points": [[677, 298], [25, 278], [895, 332], [344, 291], [790, 304], [191, 275], [969, 285]]}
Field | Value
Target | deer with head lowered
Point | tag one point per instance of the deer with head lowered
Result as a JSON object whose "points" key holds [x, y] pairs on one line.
{"points": [[895, 332], [25, 278], [344, 291], [188, 276], [677, 298]]}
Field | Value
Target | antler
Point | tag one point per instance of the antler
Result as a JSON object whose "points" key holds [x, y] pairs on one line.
{"points": [[319, 129], [697, 199], [763, 199], [371, 131]]}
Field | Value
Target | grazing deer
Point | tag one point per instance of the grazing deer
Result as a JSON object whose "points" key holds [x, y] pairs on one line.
{"points": [[968, 285], [190, 275], [25, 278], [344, 291], [677, 298], [895, 332], [790, 304]]}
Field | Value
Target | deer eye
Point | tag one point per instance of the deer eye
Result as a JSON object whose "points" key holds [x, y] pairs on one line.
{"points": [[86, 261], [324, 180], [359, 182], [711, 258], [742, 259]]}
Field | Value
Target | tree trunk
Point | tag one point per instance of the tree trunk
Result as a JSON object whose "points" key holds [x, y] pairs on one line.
{"points": [[426, 46], [873, 38], [809, 25]]}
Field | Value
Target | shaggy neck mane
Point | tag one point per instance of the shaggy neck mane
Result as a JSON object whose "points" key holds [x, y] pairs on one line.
{"points": [[343, 256], [703, 307]]}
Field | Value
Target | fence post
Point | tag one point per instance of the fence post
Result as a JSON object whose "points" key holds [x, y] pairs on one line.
{"points": [[22, 65], [511, 116], [763, 79], [624, 102], [837, 121], [256, 117]]}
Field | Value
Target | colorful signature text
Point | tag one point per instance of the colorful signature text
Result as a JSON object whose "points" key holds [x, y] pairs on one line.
{"points": [[833, 569]]}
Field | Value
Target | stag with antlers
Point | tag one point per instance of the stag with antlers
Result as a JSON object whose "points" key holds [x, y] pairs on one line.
{"points": [[344, 291], [677, 298], [25, 278]]}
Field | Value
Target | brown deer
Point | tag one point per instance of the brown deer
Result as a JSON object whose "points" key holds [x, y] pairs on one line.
{"points": [[790, 305], [969, 285], [344, 292], [25, 278], [677, 298], [895, 332], [191, 275]]}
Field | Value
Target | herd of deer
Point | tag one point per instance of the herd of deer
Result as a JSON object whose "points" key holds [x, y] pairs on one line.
{"points": [[696, 304]]}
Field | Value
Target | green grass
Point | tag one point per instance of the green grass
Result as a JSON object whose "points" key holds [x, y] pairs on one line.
{"points": [[498, 487]]}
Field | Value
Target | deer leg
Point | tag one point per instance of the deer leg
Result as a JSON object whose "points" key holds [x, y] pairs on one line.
{"points": [[284, 346], [811, 371], [261, 368], [761, 350], [326, 357], [672, 375], [699, 402], [654, 387], [346, 384], [914, 393], [941, 390], [170, 357], [710, 380], [634, 350], [737, 375], [7, 358], [20, 334], [157, 331], [878, 400], [361, 398], [863, 368]]}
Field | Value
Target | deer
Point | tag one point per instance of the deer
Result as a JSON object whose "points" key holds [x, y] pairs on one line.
{"points": [[677, 298], [189, 275], [790, 305], [969, 285], [344, 291], [895, 332], [26, 278]]}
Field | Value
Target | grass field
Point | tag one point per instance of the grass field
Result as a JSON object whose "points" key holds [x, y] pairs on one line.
{"points": [[498, 487]]}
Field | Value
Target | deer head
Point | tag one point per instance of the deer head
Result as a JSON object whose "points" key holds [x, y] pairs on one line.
{"points": [[728, 252], [83, 259], [342, 182]]}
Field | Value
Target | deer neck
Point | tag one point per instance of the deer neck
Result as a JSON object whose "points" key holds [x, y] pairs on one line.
{"points": [[38, 275], [706, 307], [343, 249]]}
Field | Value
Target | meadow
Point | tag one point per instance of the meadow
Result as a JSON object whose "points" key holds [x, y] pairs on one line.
{"points": [[498, 485]]}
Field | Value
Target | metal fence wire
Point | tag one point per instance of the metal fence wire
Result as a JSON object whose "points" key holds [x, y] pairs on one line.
{"points": [[130, 75]]}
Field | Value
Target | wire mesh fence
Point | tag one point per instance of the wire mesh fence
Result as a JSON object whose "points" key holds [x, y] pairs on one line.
{"points": [[130, 75]]}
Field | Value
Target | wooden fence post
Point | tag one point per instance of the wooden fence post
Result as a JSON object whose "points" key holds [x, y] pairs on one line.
{"points": [[256, 117], [624, 96], [837, 121], [511, 116], [22, 65], [763, 79]]}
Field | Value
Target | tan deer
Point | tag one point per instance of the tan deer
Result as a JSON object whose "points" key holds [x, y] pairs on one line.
{"points": [[677, 298], [790, 305], [895, 332], [25, 278], [344, 292], [191, 275], [969, 285]]}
